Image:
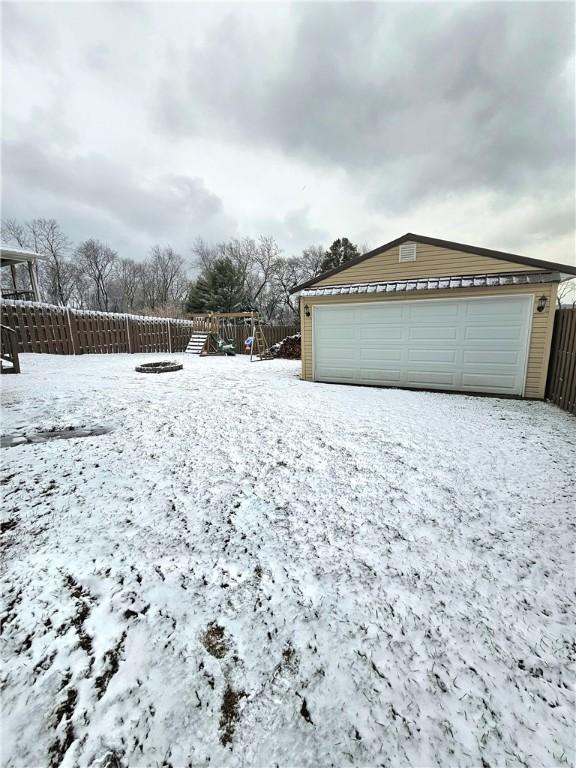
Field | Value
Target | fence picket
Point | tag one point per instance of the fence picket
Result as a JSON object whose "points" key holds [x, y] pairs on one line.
{"points": [[569, 384], [16, 320], [561, 384]]}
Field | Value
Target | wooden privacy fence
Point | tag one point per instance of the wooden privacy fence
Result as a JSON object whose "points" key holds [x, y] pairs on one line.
{"points": [[561, 384], [66, 331]]}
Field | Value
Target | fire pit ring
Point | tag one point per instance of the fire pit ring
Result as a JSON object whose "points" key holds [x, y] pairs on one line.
{"points": [[163, 366]]}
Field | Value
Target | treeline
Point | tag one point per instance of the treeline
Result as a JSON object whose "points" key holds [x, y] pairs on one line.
{"points": [[245, 274], [91, 275], [240, 274]]}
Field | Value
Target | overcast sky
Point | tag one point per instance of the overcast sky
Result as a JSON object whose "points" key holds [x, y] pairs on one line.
{"points": [[143, 123]]}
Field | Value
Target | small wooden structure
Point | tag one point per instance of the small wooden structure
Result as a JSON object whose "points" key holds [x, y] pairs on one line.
{"points": [[197, 343], [259, 348], [9, 362], [211, 335], [204, 343], [10, 258]]}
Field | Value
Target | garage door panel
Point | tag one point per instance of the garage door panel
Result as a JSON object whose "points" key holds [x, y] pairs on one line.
{"points": [[501, 381], [335, 343], [386, 376], [369, 315], [491, 356], [336, 373], [432, 332], [493, 332], [374, 332], [375, 356], [462, 344], [423, 312], [338, 333], [430, 378], [382, 343], [488, 308], [355, 375], [431, 356]]}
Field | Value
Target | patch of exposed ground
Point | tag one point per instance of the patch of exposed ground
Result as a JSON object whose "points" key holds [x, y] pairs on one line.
{"points": [[83, 601], [214, 640], [229, 714], [112, 663], [62, 721], [305, 712]]}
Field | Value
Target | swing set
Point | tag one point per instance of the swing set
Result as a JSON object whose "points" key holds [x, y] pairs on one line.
{"points": [[214, 334]]}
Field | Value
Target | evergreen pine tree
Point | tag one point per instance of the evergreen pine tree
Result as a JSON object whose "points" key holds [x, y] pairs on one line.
{"points": [[340, 252], [220, 288]]}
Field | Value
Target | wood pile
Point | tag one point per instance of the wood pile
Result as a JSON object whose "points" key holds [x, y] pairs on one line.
{"points": [[289, 348]]}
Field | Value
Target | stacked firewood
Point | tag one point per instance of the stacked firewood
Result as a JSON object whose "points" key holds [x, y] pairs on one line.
{"points": [[289, 348]]}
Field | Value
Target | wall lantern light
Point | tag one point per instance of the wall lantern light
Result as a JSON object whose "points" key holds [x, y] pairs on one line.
{"points": [[307, 310], [542, 301]]}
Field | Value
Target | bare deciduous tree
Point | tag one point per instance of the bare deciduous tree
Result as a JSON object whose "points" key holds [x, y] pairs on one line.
{"points": [[81, 287], [46, 237], [97, 260], [566, 296], [149, 285], [311, 262], [14, 232], [295, 270], [167, 268], [205, 254], [128, 274]]}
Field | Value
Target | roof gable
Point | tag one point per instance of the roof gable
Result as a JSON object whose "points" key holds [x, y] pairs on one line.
{"points": [[510, 258]]}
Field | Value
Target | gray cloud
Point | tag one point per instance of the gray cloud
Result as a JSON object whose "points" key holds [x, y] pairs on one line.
{"points": [[22, 34], [294, 230], [172, 208], [154, 206], [147, 122], [430, 98]]}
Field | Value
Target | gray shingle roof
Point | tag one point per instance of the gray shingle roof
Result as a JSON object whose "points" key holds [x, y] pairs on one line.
{"points": [[434, 283]]}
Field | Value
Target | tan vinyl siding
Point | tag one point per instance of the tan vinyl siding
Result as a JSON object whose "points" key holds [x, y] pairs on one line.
{"points": [[540, 338], [431, 261]]}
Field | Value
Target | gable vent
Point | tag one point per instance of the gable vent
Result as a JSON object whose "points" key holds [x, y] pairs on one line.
{"points": [[407, 252]]}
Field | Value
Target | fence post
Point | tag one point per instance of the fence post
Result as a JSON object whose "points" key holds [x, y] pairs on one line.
{"points": [[136, 334], [128, 335], [23, 335], [72, 339]]}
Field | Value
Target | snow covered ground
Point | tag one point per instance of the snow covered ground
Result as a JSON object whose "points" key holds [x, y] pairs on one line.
{"points": [[251, 570]]}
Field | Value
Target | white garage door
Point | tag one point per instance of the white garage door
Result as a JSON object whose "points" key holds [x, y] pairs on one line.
{"points": [[475, 345]]}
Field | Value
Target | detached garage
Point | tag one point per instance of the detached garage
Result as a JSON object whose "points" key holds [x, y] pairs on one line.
{"points": [[431, 314]]}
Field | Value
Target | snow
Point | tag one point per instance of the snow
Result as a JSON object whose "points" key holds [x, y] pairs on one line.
{"points": [[427, 284], [252, 570], [150, 319]]}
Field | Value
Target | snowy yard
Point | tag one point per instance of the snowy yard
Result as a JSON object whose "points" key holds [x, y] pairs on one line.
{"points": [[251, 570]]}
